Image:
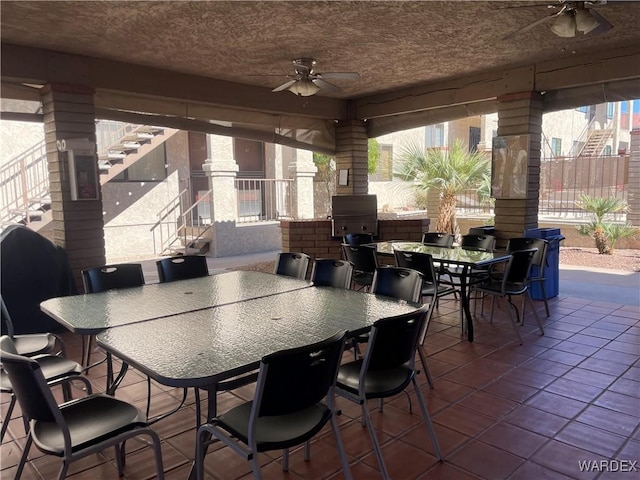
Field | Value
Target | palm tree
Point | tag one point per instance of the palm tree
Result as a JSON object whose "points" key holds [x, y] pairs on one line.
{"points": [[597, 228], [452, 172]]}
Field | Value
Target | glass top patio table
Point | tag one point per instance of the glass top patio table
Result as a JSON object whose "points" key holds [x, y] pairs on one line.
{"points": [[205, 347], [466, 259], [91, 313]]}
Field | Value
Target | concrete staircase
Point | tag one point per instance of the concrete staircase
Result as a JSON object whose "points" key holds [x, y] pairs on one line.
{"points": [[24, 181]]}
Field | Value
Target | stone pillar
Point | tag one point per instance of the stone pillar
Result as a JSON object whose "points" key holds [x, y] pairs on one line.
{"points": [[352, 155], [520, 114], [633, 184], [302, 172], [224, 201], [78, 226]]}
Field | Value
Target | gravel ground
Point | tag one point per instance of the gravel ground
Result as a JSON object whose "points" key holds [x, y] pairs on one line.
{"points": [[622, 260]]}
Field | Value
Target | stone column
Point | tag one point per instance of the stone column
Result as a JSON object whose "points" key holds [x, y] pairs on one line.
{"points": [[520, 114], [633, 184], [224, 202], [78, 226], [302, 172], [352, 155]]}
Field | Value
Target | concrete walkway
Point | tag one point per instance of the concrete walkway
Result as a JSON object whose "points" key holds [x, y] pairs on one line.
{"points": [[599, 284]]}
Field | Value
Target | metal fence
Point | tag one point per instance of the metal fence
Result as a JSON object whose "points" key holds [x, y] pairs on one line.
{"points": [[263, 199], [562, 182]]}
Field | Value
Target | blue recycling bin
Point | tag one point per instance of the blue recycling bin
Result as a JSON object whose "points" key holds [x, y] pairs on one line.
{"points": [[552, 264]]}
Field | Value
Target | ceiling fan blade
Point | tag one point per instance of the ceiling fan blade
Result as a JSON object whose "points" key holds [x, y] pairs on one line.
{"points": [[329, 87], [534, 24], [339, 75], [604, 26], [284, 86]]}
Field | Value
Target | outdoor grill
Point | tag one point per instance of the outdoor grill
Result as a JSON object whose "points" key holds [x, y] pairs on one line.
{"points": [[354, 214]]}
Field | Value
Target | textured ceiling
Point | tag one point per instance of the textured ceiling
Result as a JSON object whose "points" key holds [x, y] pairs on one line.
{"points": [[390, 44]]}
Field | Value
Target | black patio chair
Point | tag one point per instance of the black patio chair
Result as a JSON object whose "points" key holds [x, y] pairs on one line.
{"points": [[331, 273], [287, 409], [438, 239], [514, 282], [365, 262], [292, 264], [56, 370], [182, 267], [358, 238], [386, 370], [30, 344], [108, 277], [539, 260], [423, 263], [77, 428]]}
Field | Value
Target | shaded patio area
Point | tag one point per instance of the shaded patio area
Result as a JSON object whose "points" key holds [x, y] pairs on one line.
{"points": [[501, 410]]}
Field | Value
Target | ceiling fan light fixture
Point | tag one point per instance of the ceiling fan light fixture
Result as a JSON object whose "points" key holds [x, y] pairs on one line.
{"points": [[585, 21], [564, 26], [304, 88]]}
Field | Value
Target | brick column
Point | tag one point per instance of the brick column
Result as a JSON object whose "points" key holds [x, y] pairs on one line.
{"points": [[520, 114], [633, 184], [78, 226], [302, 172], [352, 154]]}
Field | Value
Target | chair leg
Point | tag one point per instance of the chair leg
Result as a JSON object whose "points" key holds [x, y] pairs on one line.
{"points": [[374, 441], [535, 314], [427, 420], [514, 322], [307, 450], [343, 456], [7, 418], [544, 297], [119, 463], [423, 360], [285, 460], [23, 457]]}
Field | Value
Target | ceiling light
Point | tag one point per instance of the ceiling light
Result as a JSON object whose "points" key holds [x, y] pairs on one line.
{"points": [[585, 21], [564, 25], [304, 87]]}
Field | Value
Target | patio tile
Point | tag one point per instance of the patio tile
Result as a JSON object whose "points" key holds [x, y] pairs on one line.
{"points": [[575, 390], [486, 461], [565, 459], [591, 439], [556, 404], [513, 439], [609, 420], [619, 403], [537, 421]]}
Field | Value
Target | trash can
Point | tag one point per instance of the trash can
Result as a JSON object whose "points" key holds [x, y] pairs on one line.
{"points": [[552, 264], [483, 230]]}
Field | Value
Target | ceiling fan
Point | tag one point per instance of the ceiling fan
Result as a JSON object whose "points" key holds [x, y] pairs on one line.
{"points": [[569, 18], [307, 81]]}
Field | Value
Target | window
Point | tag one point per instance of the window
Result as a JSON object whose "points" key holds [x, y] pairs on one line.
{"points": [[556, 146], [609, 110], [584, 109], [434, 136], [150, 168]]}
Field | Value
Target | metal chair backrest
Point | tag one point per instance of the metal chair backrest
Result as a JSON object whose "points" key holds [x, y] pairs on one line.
{"points": [[525, 243], [393, 341], [481, 243], [363, 257], [292, 264], [182, 268], [422, 262], [293, 380], [358, 238], [438, 239], [331, 273], [397, 282], [109, 277], [517, 270]]}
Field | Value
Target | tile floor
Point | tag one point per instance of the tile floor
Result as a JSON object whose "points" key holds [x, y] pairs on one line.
{"points": [[501, 410]]}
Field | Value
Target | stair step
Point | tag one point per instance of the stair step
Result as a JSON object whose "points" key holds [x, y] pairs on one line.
{"points": [[31, 213], [124, 146], [150, 129], [136, 137]]}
